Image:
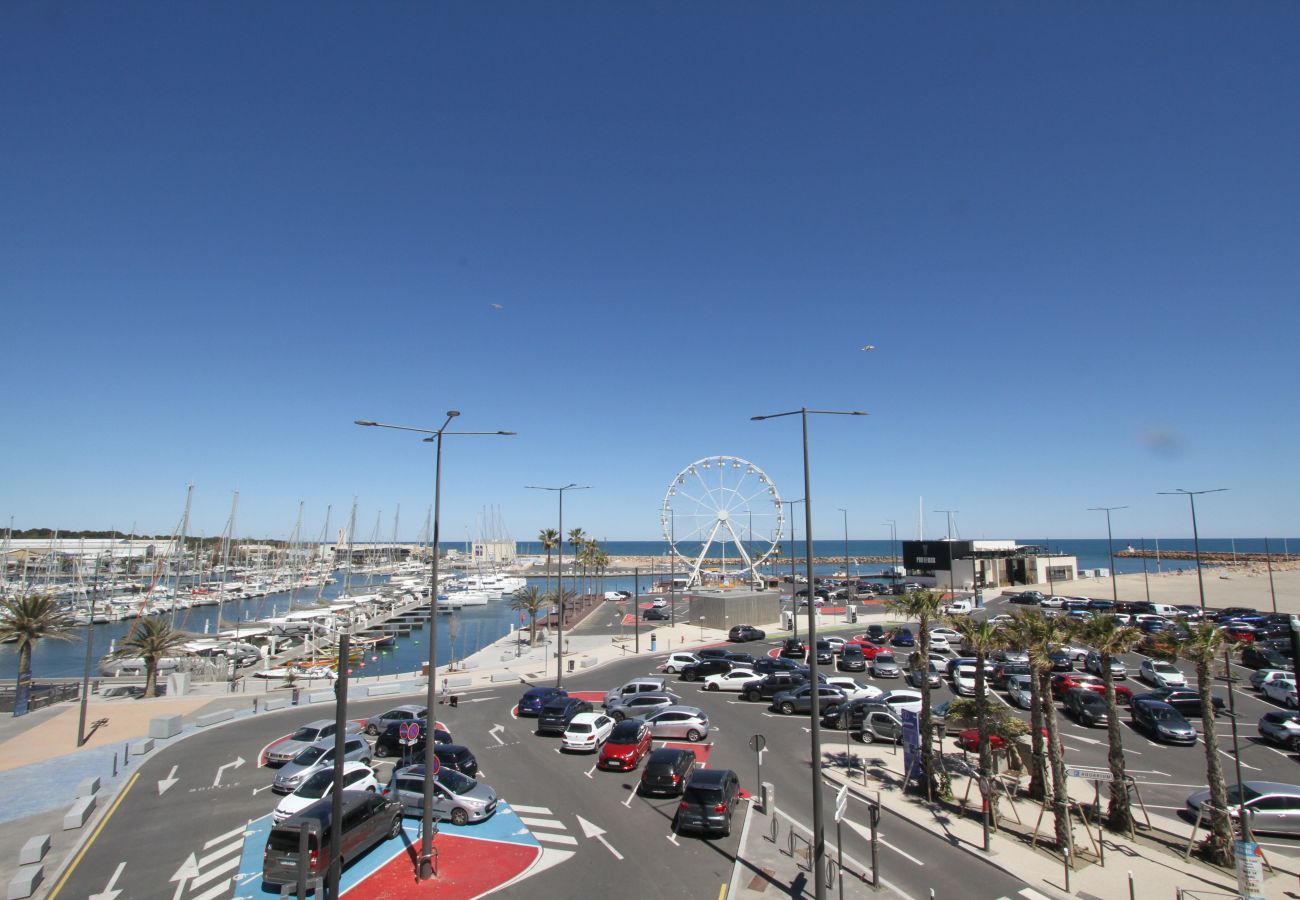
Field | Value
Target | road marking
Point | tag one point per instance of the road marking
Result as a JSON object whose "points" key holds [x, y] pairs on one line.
{"points": [[165, 783], [592, 769], [188, 870], [672, 836], [98, 828], [492, 733], [533, 822], [1244, 765], [212, 893], [631, 795], [722, 891], [229, 835], [109, 892], [566, 839], [232, 863], [1031, 894], [865, 833], [520, 808], [217, 854], [238, 761], [595, 831], [266, 787]]}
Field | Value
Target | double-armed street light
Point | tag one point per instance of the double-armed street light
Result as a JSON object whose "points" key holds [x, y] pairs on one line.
{"points": [[819, 825], [559, 579], [435, 435], [1110, 546]]}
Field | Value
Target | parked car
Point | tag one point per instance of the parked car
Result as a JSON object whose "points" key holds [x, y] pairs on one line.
{"points": [[769, 665], [852, 659], [1161, 721], [963, 681], [1253, 657], [641, 705], [951, 635], [837, 643], [735, 680], [917, 676], [879, 725], [1062, 682], [793, 648], [903, 637], [770, 685], [368, 819], [677, 660], [666, 772], [799, 700], [531, 703], [304, 737], [1019, 690], [1272, 806], [902, 699], [746, 660], [319, 755], [389, 742], [1087, 707], [1260, 677], [1161, 673], [557, 714], [357, 776], [404, 713], [646, 684], [1281, 690], [875, 632], [1061, 661], [1092, 663], [742, 633], [1282, 727], [710, 799], [884, 665], [825, 653], [628, 743], [1185, 700], [854, 690], [457, 797], [655, 614], [1005, 670], [704, 668], [688, 722], [586, 732]]}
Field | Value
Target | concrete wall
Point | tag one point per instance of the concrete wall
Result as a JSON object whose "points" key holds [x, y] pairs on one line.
{"points": [[734, 608]]}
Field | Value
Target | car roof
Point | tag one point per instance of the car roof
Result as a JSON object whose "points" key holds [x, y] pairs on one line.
{"points": [[538, 691], [1273, 787], [320, 810], [318, 723], [714, 777], [586, 717], [665, 754]]}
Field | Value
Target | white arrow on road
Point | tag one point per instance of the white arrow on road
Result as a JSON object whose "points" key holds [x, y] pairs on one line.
{"points": [[593, 831], [165, 783], [239, 761], [109, 892], [1147, 772], [478, 699], [265, 787], [493, 733], [189, 869]]}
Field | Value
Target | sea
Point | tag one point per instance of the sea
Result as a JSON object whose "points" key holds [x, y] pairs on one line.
{"points": [[473, 627]]}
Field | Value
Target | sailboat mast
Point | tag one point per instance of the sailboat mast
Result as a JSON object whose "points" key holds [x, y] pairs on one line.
{"points": [[180, 573]]}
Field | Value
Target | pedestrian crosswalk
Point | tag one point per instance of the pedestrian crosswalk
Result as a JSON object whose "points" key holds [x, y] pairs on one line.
{"points": [[546, 829], [1028, 894], [210, 875]]}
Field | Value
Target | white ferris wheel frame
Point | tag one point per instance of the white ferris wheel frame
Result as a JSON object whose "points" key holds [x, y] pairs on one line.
{"points": [[726, 501]]}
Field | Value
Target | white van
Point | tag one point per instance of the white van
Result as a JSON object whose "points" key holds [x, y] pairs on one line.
{"points": [[959, 608], [1164, 609]]}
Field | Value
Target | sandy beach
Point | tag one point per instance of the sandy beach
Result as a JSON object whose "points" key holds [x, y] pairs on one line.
{"points": [[1242, 585]]}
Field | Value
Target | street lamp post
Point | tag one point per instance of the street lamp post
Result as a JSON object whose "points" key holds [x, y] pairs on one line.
{"points": [[846, 540], [1196, 538], [893, 538], [819, 825], [1110, 546], [559, 579], [794, 600], [425, 868]]}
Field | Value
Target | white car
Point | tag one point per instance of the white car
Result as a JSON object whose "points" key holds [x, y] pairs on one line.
{"points": [[1002, 619], [1161, 674], [730, 681], [854, 690], [836, 642], [1053, 602], [1281, 691], [1011, 655], [357, 776], [658, 603], [587, 731], [1020, 691], [1075, 653], [939, 644], [903, 699], [951, 635], [963, 681], [678, 661], [1261, 677]]}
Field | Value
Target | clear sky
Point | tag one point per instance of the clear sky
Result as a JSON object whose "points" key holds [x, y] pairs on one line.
{"points": [[1070, 231]]}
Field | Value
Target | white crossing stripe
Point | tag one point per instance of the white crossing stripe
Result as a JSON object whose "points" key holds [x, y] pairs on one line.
{"points": [[547, 837], [213, 892], [1031, 894], [541, 823], [234, 832], [228, 865], [217, 854], [520, 808]]}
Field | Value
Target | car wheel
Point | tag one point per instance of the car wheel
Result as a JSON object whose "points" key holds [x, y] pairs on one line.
{"points": [[370, 790], [372, 730], [753, 696], [459, 816], [693, 735], [617, 715], [711, 686], [381, 751], [367, 761], [688, 676], [671, 670], [396, 828], [787, 709]]}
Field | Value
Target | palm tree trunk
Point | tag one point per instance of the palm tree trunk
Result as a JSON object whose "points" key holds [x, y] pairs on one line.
{"points": [[982, 723], [1119, 814], [1218, 844], [1060, 794], [24, 659], [928, 774], [150, 678], [1038, 764]]}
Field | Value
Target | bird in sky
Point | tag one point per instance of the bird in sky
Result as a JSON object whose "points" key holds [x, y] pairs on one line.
{"points": [[869, 347], [496, 306]]}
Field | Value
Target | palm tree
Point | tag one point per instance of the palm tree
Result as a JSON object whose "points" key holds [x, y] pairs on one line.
{"points": [[1204, 645], [1105, 635], [550, 539], [530, 600], [26, 620], [1048, 636], [925, 607], [152, 639], [982, 637], [576, 539], [1021, 635]]}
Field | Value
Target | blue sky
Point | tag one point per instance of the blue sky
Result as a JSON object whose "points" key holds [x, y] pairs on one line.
{"points": [[623, 229]]}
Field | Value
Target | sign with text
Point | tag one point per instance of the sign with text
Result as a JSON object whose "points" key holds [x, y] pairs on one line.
{"points": [[911, 743], [1250, 870], [1089, 774]]}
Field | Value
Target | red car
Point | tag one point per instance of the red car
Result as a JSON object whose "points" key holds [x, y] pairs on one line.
{"points": [[1063, 681], [969, 740], [869, 650], [626, 746], [1240, 633]]}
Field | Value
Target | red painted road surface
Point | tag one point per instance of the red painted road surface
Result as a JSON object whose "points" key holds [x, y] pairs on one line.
{"points": [[701, 751], [589, 696], [467, 868]]}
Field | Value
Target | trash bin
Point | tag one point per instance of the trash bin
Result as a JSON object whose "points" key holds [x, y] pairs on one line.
{"points": [[654, 642], [570, 665]]}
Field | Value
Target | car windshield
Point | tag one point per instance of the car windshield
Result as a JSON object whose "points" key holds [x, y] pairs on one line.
{"points": [[884, 658], [704, 796], [315, 787], [305, 734], [1234, 793], [454, 781], [309, 756], [626, 733], [580, 728], [1163, 667], [1164, 714]]}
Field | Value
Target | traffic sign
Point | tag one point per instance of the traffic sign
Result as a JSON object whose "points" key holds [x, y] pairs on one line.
{"points": [[409, 732], [841, 802], [1089, 774], [757, 743], [436, 767]]}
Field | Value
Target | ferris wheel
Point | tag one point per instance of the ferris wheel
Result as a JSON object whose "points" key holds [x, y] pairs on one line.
{"points": [[724, 500]]}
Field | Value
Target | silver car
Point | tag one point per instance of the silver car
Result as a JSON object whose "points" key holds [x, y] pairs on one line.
{"points": [[303, 738], [377, 724], [641, 705], [648, 684], [1092, 663], [316, 757], [1272, 806], [688, 722], [455, 796], [885, 666]]}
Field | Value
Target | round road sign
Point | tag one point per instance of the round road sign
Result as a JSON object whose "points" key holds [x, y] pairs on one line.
{"points": [[757, 743]]}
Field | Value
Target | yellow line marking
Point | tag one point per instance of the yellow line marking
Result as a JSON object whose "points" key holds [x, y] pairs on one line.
{"points": [[722, 891], [98, 828]]}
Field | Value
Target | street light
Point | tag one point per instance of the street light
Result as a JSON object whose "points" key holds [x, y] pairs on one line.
{"points": [[893, 537], [819, 826], [846, 540], [1110, 545], [1196, 538], [559, 575], [794, 600], [431, 696]]}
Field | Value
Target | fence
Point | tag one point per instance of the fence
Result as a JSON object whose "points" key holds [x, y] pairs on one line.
{"points": [[42, 695]]}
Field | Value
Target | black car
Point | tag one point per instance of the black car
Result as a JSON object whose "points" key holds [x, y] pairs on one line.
{"points": [[708, 802], [706, 652], [1101, 606], [852, 659], [710, 665], [1062, 661], [666, 772], [876, 633], [457, 757], [769, 686], [1003, 671], [793, 648], [557, 714], [1087, 707], [1185, 700], [655, 614], [825, 653], [389, 742], [1161, 721], [850, 713], [770, 664], [745, 660], [741, 633], [1253, 657]]}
